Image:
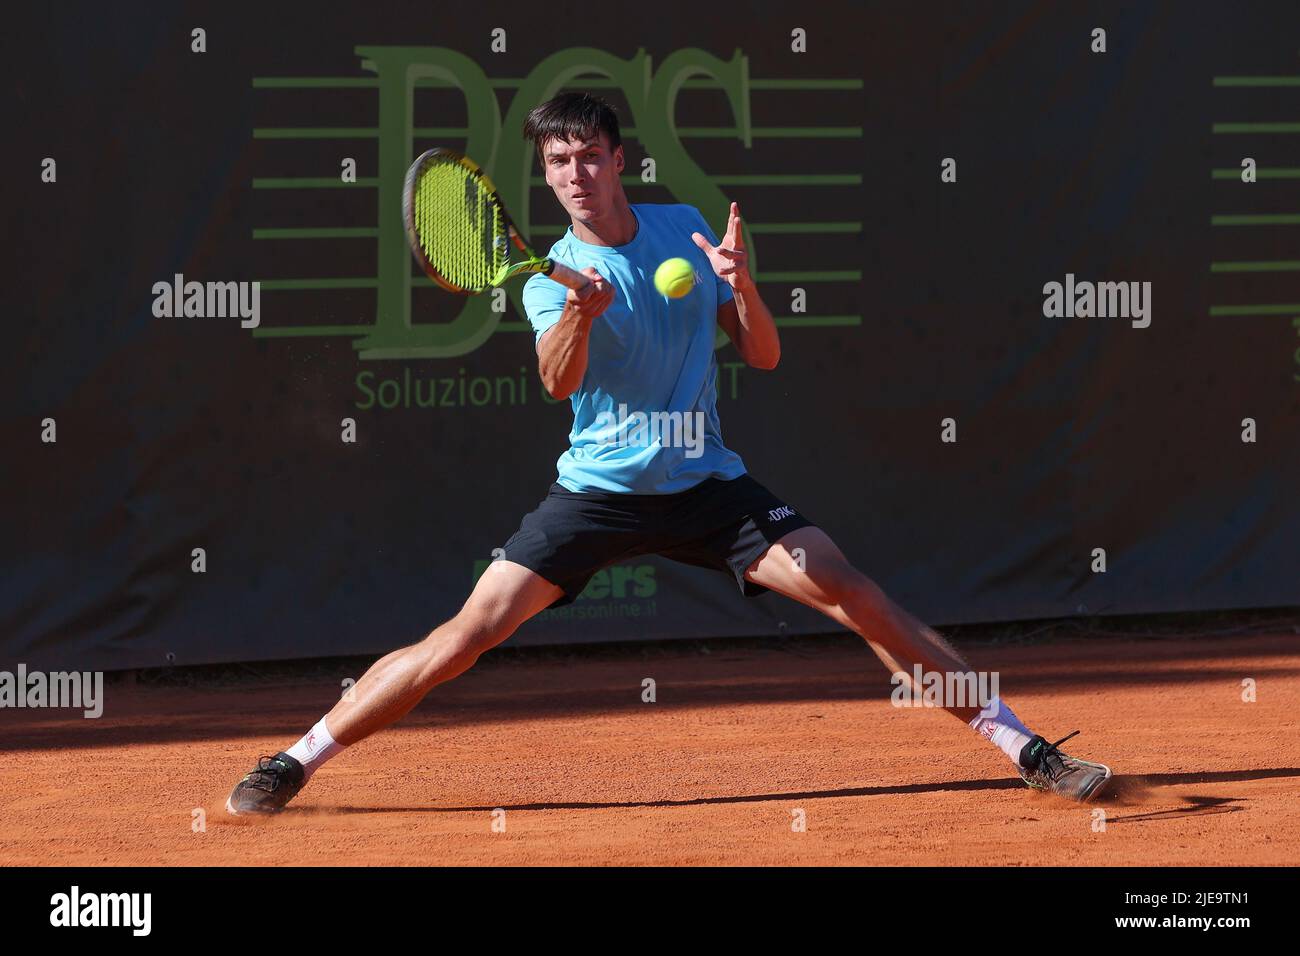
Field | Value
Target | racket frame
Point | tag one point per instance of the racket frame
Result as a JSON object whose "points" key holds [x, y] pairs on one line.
{"points": [[533, 263]]}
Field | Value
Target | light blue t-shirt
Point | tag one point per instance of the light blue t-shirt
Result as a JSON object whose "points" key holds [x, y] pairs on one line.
{"points": [[645, 419]]}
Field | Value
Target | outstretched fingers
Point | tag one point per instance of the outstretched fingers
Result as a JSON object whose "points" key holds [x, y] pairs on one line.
{"points": [[735, 239]]}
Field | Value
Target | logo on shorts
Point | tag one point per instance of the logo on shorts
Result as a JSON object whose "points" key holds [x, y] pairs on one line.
{"points": [[781, 513]]}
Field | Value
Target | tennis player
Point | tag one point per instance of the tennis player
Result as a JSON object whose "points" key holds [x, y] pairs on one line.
{"points": [[626, 357]]}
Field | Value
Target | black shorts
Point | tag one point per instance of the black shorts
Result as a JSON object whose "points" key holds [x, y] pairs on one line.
{"points": [[723, 525]]}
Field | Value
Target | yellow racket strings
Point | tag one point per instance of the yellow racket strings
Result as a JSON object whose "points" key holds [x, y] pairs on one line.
{"points": [[459, 226]]}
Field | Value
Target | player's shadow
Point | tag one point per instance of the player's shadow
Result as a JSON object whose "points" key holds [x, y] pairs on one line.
{"points": [[1193, 807], [1127, 791]]}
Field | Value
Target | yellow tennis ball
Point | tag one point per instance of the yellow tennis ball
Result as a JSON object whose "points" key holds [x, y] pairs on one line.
{"points": [[675, 278]]}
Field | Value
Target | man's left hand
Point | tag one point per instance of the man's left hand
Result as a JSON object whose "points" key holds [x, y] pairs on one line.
{"points": [[729, 259]]}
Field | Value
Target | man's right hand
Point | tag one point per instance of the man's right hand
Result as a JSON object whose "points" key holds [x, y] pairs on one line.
{"points": [[591, 300], [562, 349]]}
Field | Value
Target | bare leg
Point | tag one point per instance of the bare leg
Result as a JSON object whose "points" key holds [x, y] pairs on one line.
{"points": [[506, 595], [807, 566]]}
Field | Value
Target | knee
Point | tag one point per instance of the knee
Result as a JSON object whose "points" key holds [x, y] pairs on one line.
{"points": [[473, 631]]}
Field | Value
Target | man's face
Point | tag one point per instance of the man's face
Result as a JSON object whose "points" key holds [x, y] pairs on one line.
{"points": [[584, 175]]}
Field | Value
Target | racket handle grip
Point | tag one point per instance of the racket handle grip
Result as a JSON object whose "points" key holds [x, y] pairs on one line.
{"points": [[567, 277]]}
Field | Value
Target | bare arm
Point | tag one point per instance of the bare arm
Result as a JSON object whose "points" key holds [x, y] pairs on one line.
{"points": [[750, 325], [745, 318], [562, 349]]}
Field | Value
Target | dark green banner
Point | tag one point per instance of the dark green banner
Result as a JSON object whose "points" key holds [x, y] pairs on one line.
{"points": [[1036, 269]]}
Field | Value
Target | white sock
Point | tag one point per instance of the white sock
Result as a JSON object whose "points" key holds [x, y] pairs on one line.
{"points": [[1003, 729], [316, 747]]}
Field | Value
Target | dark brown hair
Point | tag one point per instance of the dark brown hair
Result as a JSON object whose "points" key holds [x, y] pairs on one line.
{"points": [[572, 116]]}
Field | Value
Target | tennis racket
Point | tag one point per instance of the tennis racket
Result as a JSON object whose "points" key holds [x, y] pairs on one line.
{"points": [[460, 232]]}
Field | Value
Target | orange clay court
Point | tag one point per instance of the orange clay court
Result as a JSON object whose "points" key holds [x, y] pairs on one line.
{"points": [[743, 733]]}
